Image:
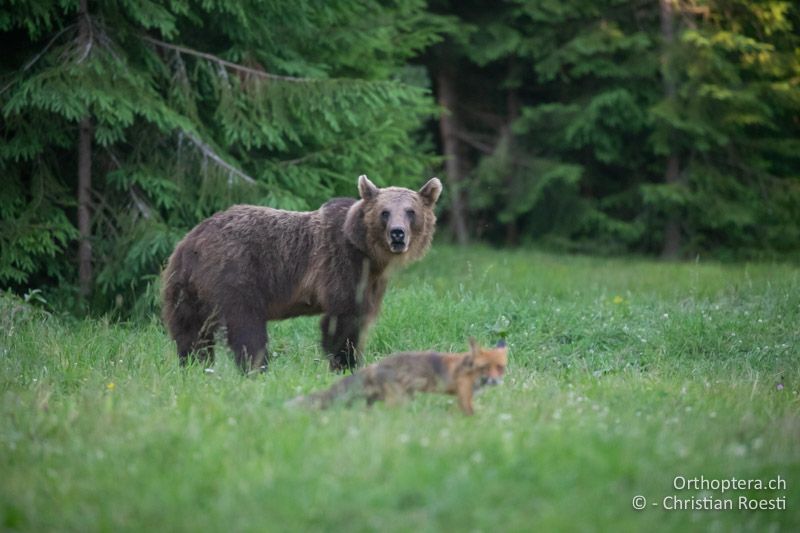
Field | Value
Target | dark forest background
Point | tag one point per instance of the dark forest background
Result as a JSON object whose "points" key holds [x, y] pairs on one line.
{"points": [[668, 128]]}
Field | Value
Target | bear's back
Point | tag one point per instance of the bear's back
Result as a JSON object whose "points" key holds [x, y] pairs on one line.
{"points": [[246, 251]]}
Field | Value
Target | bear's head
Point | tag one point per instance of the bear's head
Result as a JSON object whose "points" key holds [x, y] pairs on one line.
{"points": [[393, 224]]}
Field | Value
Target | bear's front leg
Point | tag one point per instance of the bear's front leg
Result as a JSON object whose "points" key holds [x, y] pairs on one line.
{"points": [[340, 341]]}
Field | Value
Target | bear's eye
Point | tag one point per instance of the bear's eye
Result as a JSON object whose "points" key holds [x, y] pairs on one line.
{"points": [[411, 214], [385, 215]]}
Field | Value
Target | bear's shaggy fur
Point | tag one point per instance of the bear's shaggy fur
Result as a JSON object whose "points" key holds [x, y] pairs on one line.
{"points": [[247, 265]]}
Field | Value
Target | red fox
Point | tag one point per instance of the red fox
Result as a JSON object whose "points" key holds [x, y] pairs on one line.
{"points": [[401, 375]]}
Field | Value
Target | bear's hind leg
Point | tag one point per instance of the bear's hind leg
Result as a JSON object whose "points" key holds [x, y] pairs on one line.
{"points": [[203, 349], [189, 322], [193, 330], [248, 340], [185, 341], [195, 345]]}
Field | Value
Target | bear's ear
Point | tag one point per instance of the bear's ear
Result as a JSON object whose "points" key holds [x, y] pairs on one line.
{"points": [[430, 192], [366, 188], [354, 228]]}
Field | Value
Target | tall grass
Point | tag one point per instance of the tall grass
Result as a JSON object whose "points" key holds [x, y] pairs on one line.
{"points": [[624, 374]]}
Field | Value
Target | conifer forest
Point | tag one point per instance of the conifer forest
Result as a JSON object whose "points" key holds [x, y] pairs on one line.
{"points": [[662, 128]]}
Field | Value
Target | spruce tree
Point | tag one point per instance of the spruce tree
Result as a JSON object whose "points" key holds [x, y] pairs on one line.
{"points": [[734, 120], [185, 108], [556, 132], [655, 126]]}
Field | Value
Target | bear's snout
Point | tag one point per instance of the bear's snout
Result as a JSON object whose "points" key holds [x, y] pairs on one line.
{"points": [[398, 235], [397, 240]]}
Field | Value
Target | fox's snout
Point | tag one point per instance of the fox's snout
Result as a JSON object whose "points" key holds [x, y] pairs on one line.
{"points": [[490, 381]]}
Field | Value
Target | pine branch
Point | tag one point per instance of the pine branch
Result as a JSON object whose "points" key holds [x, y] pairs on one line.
{"points": [[493, 120], [101, 208], [224, 63], [336, 147], [86, 33], [209, 152], [38, 56], [142, 206], [473, 141]]}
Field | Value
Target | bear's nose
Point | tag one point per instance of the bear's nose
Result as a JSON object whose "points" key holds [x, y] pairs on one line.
{"points": [[397, 234]]}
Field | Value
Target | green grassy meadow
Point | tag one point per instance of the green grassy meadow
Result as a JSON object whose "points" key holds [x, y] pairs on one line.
{"points": [[624, 374]]}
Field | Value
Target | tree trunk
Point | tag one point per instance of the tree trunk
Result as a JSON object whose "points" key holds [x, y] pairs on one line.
{"points": [[512, 113], [84, 207], [673, 240], [84, 179], [454, 168], [672, 230]]}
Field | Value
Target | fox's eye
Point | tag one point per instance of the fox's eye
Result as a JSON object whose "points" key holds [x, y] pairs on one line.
{"points": [[384, 215]]}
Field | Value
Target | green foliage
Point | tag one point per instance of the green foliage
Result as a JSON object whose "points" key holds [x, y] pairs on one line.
{"points": [[733, 122], [569, 84], [194, 106], [568, 113], [576, 93], [34, 227], [623, 375]]}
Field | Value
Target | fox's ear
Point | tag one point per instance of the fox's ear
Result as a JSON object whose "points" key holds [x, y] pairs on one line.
{"points": [[473, 346], [501, 343]]}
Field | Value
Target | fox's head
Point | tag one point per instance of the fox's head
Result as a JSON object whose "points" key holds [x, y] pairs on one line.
{"points": [[489, 364]]}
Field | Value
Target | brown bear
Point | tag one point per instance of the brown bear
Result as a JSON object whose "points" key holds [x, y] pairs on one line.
{"points": [[249, 264]]}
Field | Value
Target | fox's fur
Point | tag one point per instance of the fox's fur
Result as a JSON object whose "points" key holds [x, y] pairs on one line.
{"points": [[401, 375]]}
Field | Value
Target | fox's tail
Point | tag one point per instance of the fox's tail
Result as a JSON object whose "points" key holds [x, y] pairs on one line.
{"points": [[345, 390]]}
